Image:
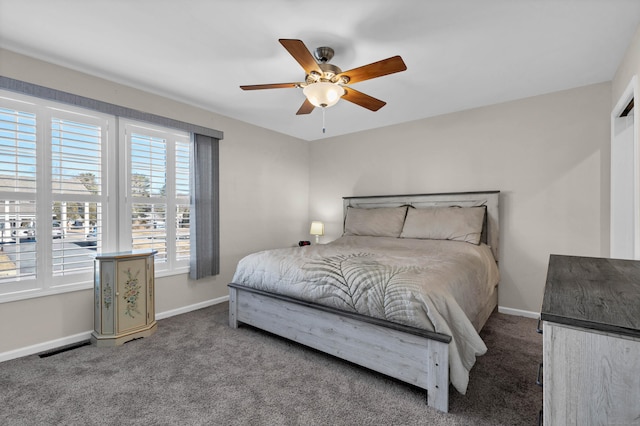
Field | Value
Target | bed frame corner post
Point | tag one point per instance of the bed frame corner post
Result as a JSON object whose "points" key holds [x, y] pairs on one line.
{"points": [[233, 307], [438, 377]]}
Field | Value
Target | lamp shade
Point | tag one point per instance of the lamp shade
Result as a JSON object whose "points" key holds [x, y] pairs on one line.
{"points": [[317, 228], [323, 94]]}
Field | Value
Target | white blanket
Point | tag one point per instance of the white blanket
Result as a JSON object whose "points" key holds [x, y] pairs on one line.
{"points": [[429, 284]]}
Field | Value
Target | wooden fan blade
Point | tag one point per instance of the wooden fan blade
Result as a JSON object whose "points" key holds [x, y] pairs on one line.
{"points": [[365, 101], [300, 53], [306, 107], [376, 69], [270, 86]]}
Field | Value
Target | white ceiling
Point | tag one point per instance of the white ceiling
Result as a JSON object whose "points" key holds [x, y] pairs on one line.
{"points": [[460, 54]]}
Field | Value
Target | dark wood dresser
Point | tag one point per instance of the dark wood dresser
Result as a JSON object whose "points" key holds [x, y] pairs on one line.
{"points": [[591, 341]]}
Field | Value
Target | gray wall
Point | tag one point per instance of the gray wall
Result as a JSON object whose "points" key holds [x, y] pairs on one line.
{"points": [[549, 155], [263, 198], [629, 67]]}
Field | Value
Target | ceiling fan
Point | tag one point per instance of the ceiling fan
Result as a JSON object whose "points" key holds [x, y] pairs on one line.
{"points": [[325, 84]]}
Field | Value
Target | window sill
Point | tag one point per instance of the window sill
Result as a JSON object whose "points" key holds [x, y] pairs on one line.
{"points": [[35, 293], [32, 294], [167, 273]]}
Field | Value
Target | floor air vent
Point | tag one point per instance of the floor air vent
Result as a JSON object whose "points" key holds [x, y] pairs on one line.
{"points": [[64, 349]]}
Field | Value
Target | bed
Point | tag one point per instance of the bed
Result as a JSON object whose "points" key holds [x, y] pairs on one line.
{"points": [[435, 256]]}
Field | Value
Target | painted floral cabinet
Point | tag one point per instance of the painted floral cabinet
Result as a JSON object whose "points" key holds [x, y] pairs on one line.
{"points": [[124, 297]]}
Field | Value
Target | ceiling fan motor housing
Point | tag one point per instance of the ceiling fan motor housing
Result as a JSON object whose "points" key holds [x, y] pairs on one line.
{"points": [[323, 54]]}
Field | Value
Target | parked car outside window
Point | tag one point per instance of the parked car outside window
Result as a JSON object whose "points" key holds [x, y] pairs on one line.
{"points": [[92, 236], [25, 232], [57, 230]]}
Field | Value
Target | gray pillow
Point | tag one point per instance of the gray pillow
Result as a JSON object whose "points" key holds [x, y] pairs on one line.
{"points": [[376, 222], [445, 223]]}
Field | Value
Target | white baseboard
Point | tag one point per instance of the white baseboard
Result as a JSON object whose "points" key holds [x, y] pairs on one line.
{"points": [[194, 307], [80, 337], [45, 346], [518, 312], [76, 338]]}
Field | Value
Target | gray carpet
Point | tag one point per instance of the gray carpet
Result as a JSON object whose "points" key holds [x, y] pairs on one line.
{"points": [[196, 370]]}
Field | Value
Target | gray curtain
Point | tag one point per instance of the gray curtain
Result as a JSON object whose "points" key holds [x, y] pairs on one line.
{"points": [[205, 219]]}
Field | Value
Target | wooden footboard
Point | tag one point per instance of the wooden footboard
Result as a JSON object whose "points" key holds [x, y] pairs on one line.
{"points": [[415, 356]]}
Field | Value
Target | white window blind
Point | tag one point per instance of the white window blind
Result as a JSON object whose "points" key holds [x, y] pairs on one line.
{"points": [[158, 193], [76, 180], [52, 162], [148, 181], [182, 197], [18, 167], [17, 151]]}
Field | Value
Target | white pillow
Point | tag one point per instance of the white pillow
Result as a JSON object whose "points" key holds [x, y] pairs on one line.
{"points": [[376, 222], [445, 223]]}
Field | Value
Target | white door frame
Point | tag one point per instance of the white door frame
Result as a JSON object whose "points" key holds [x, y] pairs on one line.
{"points": [[620, 246]]}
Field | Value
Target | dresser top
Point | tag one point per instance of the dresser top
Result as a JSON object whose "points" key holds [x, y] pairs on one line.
{"points": [[591, 292]]}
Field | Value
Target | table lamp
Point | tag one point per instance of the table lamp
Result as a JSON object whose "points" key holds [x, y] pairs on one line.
{"points": [[317, 229]]}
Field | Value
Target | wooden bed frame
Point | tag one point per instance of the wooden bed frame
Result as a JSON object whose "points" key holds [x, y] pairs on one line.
{"points": [[412, 355]]}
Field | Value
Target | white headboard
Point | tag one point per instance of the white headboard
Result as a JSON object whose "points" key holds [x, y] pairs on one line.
{"points": [[490, 199]]}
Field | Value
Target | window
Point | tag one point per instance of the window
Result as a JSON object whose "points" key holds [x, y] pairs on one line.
{"points": [[157, 188], [76, 194], [182, 196], [18, 153], [51, 193], [64, 187]]}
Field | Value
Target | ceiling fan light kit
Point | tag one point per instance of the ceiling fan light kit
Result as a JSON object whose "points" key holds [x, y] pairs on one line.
{"points": [[325, 84], [323, 94]]}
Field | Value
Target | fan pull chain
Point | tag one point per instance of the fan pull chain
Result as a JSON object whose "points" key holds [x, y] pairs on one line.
{"points": [[323, 128]]}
